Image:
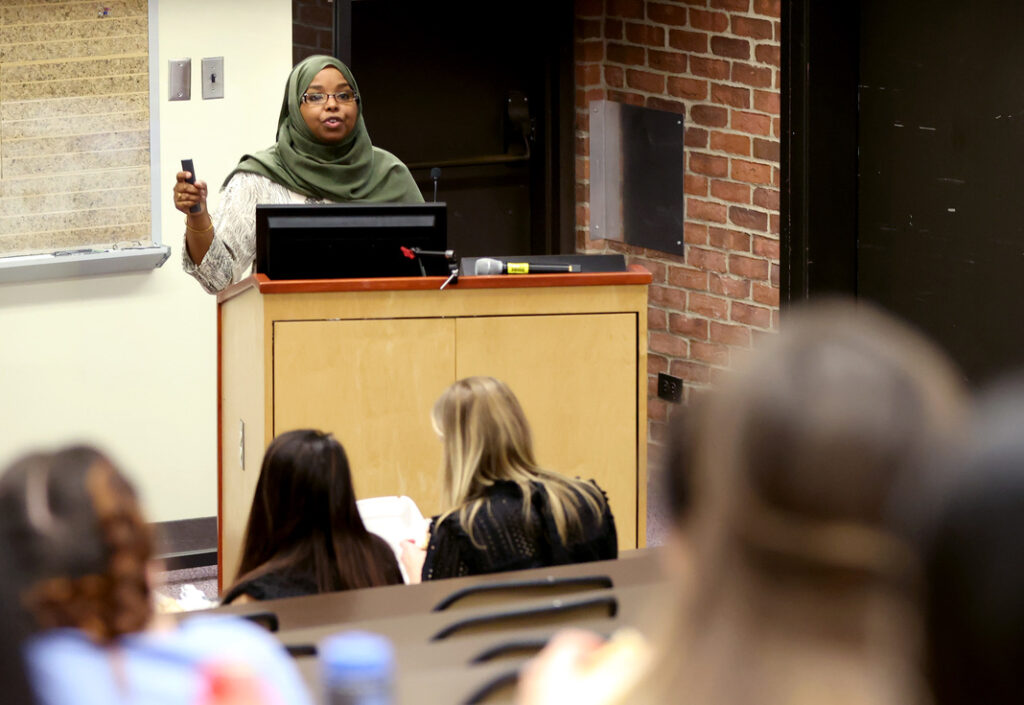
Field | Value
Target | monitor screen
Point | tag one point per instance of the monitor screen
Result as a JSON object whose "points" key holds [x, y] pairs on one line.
{"points": [[349, 240]]}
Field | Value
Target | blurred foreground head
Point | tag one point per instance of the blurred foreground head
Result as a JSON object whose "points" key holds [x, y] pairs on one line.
{"points": [[789, 468], [975, 575], [79, 542]]}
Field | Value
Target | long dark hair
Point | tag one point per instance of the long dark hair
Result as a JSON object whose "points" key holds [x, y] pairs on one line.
{"points": [[78, 541], [304, 518]]}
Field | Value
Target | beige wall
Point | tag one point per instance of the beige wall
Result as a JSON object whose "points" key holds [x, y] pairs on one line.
{"points": [[129, 361]]}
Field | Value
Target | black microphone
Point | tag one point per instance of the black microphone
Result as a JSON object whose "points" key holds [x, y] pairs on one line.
{"points": [[435, 174], [487, 265]]}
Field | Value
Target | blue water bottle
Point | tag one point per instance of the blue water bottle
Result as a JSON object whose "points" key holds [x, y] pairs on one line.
{"points": [[358, 669]]}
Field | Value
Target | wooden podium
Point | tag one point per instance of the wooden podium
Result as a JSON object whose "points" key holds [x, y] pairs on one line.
{"points": [[367, 358]]}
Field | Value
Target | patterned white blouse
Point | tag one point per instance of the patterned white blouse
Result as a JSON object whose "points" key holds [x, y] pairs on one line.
{"points": [[233, 250]]}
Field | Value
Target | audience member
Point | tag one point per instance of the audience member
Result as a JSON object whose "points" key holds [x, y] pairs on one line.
{"points": [[15, 623], [305, 534], [800, 591], [82, 552], [974, 613], [502, 511]]}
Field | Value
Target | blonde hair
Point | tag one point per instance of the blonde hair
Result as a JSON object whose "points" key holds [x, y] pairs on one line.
{"points": [[487, 439], [798, 455]]}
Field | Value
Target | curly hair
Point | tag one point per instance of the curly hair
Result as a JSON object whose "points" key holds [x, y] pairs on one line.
{"points": [[81, 543]]}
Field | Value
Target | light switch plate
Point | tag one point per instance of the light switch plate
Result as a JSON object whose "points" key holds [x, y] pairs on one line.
{"points": [[179, 78], [213, 77]]}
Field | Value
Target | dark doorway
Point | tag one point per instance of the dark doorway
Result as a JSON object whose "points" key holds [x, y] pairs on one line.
{"points": [[938, 124], [487, 96]]}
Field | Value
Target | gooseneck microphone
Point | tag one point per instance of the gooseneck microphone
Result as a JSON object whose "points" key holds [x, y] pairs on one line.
{"points": [[435, 174], [488, 265]]}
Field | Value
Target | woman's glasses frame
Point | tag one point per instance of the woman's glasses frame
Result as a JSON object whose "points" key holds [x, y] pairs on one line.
{"points": [[341, 97]]}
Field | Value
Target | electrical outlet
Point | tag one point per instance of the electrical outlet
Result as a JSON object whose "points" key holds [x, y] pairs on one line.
{"points": [[670, 388]]}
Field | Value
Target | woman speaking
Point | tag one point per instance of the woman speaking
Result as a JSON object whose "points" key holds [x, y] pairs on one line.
{"points": [[323, 153]]}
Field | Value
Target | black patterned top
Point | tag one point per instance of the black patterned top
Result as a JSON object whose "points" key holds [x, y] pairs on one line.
{"points": [[509, 542]]}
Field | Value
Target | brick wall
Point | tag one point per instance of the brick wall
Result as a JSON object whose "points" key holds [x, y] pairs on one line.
{"points": [[312, 28], [717, 63]]}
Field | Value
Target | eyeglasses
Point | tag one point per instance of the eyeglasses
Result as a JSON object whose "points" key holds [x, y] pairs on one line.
{"points": [[343, 97]]}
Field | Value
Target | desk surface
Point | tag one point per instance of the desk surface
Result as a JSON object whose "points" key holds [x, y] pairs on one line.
{"points": [[631, 568], [635, 275]]}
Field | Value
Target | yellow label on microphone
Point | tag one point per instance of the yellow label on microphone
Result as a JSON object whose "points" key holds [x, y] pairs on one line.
{"points": [[518, 267]]}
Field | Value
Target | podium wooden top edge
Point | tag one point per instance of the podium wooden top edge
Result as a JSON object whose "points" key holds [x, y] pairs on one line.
{"points": [[636, 275]]}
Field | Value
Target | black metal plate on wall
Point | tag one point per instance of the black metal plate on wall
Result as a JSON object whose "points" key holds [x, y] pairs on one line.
{"points": [[653, 167]]}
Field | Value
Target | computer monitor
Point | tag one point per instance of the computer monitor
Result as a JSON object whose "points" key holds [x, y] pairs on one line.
{"points": [[350, 240]]}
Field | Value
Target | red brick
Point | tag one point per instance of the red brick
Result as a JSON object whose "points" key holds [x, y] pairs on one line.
{"points": [[613, 29], [692, 372], [687, 88], [632, 9], [750, 123], [645, 34], [729, 334], [750, 172], [731, 5], [669, 106], [667, 297], [731, 143], [703, 210], [625, 97], [625, 54], [768, 54], [672, 61], [767, 198], [766, 247], [668, 344], [773, 223], [695, 185], [777, 127], [747, 218], [588, 74], [614, 76], [711, 21], [582, 145], [710, 306], [655, 363], [707, 260], [696, 138], [758, 77], [728, 286], [645, 81], [730, 95], [709, 115], [666, 14], [774, 278], [694, 42], [709, 68], [710, 352], [586, 28], [767, 102], [582, 215], [582, 168], [751, 315], [749, 267], [732, 240], [750, 27], [688, 278], [657, 269], [657, 409], [588, 8], [708, 164], [656, 319], [582, 194], [771, 8], [695, 233], [768, 150], [689, 326], [590, 51], [730, 191], [733, 48], [768, 295]]}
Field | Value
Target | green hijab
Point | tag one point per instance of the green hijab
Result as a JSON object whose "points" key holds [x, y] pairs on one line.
{"points": [[351, 170]]}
